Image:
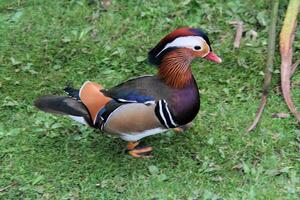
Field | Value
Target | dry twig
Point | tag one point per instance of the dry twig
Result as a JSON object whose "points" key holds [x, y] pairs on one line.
{"points": [[238, 34], [7, 187], [280, 115]]}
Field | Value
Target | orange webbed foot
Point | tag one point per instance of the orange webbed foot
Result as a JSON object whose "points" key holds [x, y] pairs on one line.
{"points": [[135, 150], [178, 129], [183, 128]]}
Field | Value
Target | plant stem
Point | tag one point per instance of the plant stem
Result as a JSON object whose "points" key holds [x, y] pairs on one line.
{"points": [[287, 35], [269, 65]]}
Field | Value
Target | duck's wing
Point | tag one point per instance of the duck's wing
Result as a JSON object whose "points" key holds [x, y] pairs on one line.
{"points": [[140, 90], [145, 110]]}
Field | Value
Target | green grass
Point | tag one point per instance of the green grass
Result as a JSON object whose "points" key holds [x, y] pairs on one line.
{"points": [[45, 44]]}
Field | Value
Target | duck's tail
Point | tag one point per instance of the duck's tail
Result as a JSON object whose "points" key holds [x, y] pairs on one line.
{"points": [[65, 106], [81, 105]]}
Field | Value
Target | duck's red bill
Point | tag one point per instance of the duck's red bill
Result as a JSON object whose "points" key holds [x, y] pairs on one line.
{"points": [[213, 57]]}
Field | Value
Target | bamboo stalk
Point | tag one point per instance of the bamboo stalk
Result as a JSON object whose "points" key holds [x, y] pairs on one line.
{"points": [[269, 65]]}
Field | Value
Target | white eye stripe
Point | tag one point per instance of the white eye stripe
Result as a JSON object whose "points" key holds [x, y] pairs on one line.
{"points": [[187, 42]]}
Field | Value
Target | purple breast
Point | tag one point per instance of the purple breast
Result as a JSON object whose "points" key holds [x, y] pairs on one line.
{"points": [[185, 103]]}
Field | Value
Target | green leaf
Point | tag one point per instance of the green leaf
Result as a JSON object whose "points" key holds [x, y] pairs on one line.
{"points": [[33, 72], [66, 39], [11, 132], [210, 141], [246, 168], [262, 18], [153, 169], [84, 32], [140, 59], [37, 179], [276, 172], [17, 16], [121, 189], [14, 61], [9, 102], [185, 2], [56, 125], [76, 137], [162, 177], [27, 67], [56, 67]]}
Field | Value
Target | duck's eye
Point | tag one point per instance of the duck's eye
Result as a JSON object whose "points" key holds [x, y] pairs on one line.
{"points": [[197, 47]]}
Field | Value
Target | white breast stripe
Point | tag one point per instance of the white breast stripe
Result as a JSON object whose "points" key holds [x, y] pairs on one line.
{"points": [[170, 116], [162, 114]]}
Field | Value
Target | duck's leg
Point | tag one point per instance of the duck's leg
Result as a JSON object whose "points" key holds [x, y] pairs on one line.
{"points": [[136, 150], [184, 127]]}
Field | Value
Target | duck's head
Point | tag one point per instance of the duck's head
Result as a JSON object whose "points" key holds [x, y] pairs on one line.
{"points": [[193, 43]]}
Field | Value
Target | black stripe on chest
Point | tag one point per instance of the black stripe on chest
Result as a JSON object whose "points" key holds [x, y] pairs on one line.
{"points": [[164, 115]]}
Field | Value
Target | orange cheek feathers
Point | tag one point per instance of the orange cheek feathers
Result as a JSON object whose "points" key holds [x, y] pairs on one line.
{"points": [[203, 52]]}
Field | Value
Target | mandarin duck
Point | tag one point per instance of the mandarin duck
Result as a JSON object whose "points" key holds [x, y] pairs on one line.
{"points": [[145, 105]]}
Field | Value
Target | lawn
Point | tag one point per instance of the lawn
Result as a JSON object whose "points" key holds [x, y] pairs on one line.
{"points": [[47, 44]]}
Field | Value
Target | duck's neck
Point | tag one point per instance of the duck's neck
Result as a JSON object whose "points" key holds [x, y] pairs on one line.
{"points": [[175, 69]]}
